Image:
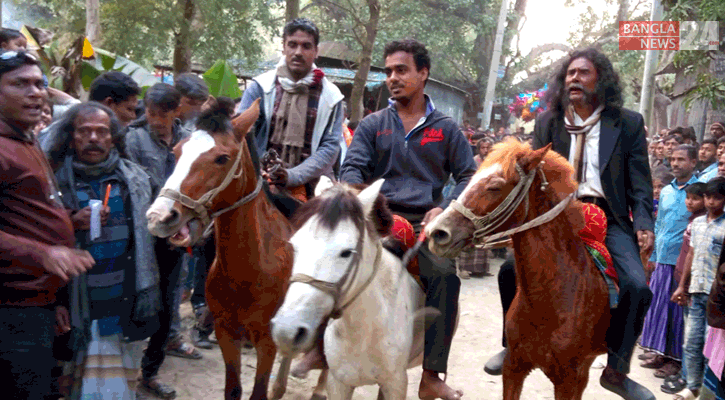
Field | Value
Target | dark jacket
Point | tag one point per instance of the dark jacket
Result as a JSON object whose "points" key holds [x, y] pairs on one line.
{"points": [[623, 163], [32, 219], [144, 148], [415, 167]]}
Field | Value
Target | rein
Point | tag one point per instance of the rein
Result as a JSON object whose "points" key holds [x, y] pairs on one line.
{"points": [[488, 223], [335, 289], [202, 207]]}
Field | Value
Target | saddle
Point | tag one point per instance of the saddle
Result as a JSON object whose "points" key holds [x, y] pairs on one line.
{"points": [[401, 239], [593, 235]]}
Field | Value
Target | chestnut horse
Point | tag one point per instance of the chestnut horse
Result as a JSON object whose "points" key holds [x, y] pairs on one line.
{"points": [[215, 178], [560, 315]]}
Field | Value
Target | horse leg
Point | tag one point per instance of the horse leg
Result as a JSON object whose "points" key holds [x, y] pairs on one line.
{"points": [[266, 351], [232, 353], [514, 374], [280, 383], [338, 390], [318, 393], [394, 388]]}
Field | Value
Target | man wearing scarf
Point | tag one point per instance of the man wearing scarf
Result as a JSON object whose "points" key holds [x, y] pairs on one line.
{"points": [[123, 291], [301, 114], [607, 146]]}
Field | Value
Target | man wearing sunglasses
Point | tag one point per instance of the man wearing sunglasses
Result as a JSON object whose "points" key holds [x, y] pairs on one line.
{"points": [[37, 257]]}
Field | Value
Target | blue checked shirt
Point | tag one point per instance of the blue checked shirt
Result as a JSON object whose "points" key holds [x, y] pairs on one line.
{"points": [[706, 241], [672, 219]]}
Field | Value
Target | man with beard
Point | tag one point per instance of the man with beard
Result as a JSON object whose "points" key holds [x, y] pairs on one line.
{"points": [[123, 286], [301, 114], [707, 157], [415, 148], [586, 116], [717, 130]]}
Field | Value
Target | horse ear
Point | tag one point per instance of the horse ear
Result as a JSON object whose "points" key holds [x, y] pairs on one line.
{"points": [[533, 159], [324, 184], [368, 196], [244, 121]]}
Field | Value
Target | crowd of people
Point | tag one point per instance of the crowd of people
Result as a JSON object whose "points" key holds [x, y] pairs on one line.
{"points": [[90, 299]]}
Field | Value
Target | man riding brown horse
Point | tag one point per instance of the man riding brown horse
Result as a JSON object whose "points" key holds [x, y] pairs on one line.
{"points": [[586, 104]]}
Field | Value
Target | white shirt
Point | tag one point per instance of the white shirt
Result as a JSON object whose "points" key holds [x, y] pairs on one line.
{"points": [[592, 185]]}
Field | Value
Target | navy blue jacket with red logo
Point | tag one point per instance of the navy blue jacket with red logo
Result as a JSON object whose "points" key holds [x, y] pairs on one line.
{"points": [[415, 166]]}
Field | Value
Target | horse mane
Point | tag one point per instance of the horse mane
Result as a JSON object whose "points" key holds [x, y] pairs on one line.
{"points": [[559, 173], [339, 202], [217, 118]]}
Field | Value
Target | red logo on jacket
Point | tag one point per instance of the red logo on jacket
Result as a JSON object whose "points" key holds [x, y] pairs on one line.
{"points": [[432, 135]]}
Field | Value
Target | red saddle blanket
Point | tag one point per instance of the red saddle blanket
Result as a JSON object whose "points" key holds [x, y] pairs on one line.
{"points": [[593, 235], [404, 233]]}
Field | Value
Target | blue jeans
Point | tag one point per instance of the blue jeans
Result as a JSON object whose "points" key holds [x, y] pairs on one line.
{"points": [[694, 361]]}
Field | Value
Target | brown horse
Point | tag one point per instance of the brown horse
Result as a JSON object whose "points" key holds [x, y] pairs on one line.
{"points": [[560, 315], [215, 178]]}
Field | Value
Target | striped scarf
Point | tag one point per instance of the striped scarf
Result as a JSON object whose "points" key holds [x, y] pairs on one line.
{"points": [[580, 133], [294, 115]]}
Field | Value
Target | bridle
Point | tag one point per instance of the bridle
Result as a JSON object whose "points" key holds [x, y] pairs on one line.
{"points": [[337, 290], [486, 224], [201, 208]]}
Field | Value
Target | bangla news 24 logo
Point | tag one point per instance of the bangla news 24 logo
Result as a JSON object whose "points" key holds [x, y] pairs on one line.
{"points": [[668, 35]]}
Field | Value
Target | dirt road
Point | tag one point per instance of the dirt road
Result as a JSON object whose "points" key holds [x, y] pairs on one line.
{"points": [[478, 337]]}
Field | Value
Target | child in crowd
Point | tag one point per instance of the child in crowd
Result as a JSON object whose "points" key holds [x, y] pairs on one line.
{"points": [[695, 203], [708, 233]]}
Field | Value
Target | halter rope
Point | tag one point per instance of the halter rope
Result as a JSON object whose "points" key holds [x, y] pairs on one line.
{"points": [[490, 222], [201, 207]]}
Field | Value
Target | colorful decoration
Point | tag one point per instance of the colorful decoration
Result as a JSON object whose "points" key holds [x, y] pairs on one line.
{"points": [[529, 104]]}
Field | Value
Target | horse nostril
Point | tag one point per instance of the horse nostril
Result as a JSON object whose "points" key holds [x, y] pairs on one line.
{"points": [[301, 336], [172, 216], [440, 236]]}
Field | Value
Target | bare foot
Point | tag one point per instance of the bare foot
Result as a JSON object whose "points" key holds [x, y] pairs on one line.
{"points": [[432, 387]]}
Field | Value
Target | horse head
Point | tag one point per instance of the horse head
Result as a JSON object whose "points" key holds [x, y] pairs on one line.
{"points": [[213, 170], [336, 245], [510, 188]]}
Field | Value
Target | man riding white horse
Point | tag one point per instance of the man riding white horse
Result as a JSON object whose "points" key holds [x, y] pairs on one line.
{"points": [[415, 148]]}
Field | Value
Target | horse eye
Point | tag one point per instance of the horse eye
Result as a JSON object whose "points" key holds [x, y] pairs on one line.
{"points": [[346, 254], [221, 160]]}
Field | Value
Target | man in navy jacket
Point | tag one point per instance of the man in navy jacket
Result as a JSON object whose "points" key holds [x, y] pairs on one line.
{"points": [[415, 148]]}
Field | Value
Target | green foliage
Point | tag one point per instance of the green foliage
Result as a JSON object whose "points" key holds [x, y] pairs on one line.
{"points": [[709, 89], [144, 30], [222, 81]]}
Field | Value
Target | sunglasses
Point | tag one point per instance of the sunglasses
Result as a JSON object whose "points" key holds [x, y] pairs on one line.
{"points": [[8, 55]]}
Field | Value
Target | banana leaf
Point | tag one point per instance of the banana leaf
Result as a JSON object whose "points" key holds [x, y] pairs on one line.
{"points": [[222, 81]]}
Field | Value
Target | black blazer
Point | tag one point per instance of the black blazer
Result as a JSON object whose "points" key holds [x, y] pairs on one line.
{"points": [[623, 163]]}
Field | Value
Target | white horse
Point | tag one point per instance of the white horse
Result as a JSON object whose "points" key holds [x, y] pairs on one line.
{"points": [[342, 271]]}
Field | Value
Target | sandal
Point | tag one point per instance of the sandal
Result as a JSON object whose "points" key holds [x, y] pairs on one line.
{"points": [[655, 363], [670, 368], [647, 355], [686, 394], [674, 386], [184, 350], [158, 388]]}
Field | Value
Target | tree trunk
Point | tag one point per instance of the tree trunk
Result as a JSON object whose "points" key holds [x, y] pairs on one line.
{"points": [[292, 10], [93, 22], [182, 38], [361, 76]]}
